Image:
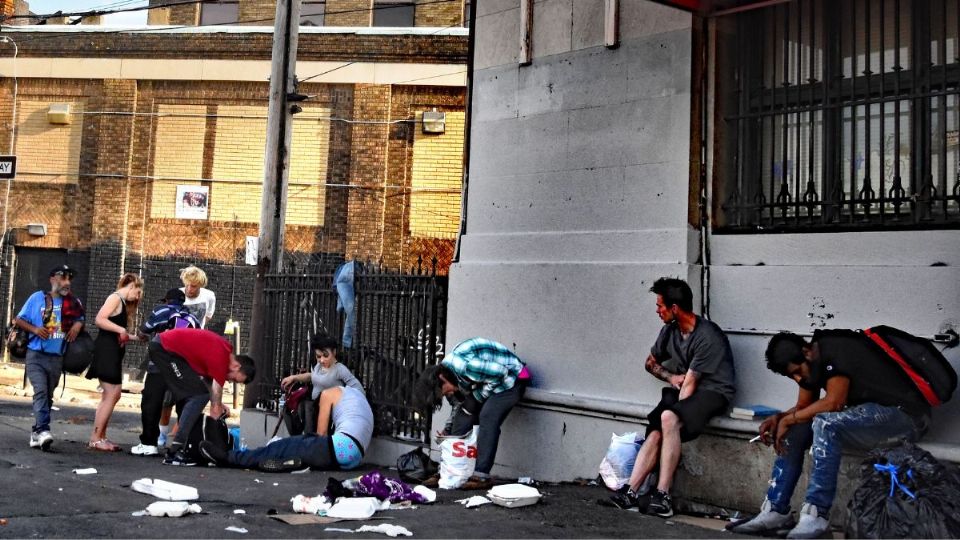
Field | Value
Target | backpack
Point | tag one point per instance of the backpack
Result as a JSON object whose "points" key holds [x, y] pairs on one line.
{"points": [[182, 319], [78, 354], [212, 430], [923, 363], [18, 338]]}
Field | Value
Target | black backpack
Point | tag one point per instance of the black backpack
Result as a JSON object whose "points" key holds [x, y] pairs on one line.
{"points": [[78, 354], [923, 363], [212, 430]]}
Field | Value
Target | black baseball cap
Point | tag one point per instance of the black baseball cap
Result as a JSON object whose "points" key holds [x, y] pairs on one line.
{"points": [[174, 295], [62, 270]]}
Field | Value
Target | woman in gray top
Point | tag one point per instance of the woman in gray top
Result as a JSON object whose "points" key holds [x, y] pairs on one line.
{"points": [[326, 373]]}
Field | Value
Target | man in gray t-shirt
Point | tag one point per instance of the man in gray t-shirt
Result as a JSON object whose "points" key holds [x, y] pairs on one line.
{"points": [[693, 355]]}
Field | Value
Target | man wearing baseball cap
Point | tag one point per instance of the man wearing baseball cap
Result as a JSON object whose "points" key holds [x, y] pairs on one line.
{"points": [[53, 318]]}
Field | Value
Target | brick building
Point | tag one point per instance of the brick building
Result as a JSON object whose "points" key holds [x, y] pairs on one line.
{"points": [[141, 149]]}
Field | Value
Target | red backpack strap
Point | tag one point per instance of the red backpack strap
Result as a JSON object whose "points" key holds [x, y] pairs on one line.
{"points": [[922, 385]]}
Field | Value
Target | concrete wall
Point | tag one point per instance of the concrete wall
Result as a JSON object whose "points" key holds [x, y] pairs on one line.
{"points": [[579, 198], [579, 177]]}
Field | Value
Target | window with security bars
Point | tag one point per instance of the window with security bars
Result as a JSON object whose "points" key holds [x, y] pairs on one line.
{"points": [[838, 114]]}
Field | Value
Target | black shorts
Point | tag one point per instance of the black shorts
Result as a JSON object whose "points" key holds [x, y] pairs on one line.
{"points": [[182, 381], [694, 412]]}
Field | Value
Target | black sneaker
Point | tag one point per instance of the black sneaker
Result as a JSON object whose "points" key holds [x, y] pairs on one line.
{"points": [[625, 499], [179, 458], [213, 453], [281, 465], [660, 504]]}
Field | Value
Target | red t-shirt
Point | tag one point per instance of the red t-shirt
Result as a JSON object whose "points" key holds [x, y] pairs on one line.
{"points": [[206, 352]]}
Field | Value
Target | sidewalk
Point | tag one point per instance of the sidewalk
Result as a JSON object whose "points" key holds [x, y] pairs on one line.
{"points": [[43, 498]]}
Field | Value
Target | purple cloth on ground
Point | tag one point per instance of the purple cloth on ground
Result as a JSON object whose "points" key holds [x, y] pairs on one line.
{"points": [[375, 484]]}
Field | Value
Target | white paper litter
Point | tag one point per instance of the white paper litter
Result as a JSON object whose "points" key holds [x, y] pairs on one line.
{"points": [[240, 530], [317, 506], [355, 508], [54, 408], [387, 529], [162, 489], [525, 480], [172, 509], [276, 484], [514, 491], [334, 529], [89, 470], [476, 500], [257, 480], [302, 471], [428, 494], [239, 511]]}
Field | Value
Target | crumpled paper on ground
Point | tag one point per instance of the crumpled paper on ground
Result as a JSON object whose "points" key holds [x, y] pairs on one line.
{"points": [[169, 509], [476, 500], [317, 506], [387, 529]]}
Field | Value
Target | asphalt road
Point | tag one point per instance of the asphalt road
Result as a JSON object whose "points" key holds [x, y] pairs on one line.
{"points": [[40, 496]]}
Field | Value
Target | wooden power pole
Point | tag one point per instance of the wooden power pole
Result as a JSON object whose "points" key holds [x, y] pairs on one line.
{"points": [[276, 166]]}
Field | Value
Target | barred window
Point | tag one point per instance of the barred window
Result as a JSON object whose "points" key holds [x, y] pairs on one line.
{"points": [[837, 115]]}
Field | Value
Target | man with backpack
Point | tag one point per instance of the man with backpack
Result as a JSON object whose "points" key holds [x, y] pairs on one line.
{"points": [[168, 315], [53, 319], [871, 400]]}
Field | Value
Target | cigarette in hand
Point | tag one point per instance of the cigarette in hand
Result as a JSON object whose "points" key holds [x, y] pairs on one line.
{"points": [[756, 439]]}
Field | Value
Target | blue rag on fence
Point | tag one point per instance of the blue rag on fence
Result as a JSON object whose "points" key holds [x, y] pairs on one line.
{"points": [[346, 300]]}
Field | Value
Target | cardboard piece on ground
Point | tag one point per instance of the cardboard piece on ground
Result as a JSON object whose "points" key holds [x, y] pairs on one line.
{"points": [[703, 522], [309, 519]]}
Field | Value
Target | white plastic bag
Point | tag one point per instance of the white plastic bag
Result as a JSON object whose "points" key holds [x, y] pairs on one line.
{"points": [[617, 465], [458, 457]]}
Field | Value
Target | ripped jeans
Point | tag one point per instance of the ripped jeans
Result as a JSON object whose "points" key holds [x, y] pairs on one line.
{"points": [[863, 427]]}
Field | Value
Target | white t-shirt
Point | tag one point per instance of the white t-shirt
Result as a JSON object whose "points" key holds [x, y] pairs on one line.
{"points": [[202, 306]]}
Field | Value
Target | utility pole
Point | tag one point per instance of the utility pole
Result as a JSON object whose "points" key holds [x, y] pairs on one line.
{"points": [[276, 165]]}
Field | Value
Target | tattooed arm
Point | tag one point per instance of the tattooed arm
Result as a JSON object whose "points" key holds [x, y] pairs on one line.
{"points": [[658, 371]]}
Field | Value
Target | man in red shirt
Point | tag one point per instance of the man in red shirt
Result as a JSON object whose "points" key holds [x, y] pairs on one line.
{"points": [[195, 364]]}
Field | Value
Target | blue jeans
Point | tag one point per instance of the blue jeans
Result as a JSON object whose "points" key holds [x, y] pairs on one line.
{"points": [[312, 449], [43, 371], [863, 427]]}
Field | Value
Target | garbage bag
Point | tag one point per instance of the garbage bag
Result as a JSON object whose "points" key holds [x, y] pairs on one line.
{"points": [[617, 465], [905, 493], [458, 457], [415, 466]]}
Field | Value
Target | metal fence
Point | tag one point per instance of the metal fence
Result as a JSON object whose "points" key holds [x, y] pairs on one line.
{"points": [[840, 115], [400, 328]]}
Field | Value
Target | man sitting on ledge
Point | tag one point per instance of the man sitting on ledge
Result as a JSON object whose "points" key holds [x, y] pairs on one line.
{"points": [[869, 403]]}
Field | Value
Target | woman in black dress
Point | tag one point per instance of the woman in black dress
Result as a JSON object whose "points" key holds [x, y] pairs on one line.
{"points": [[112, 320]]}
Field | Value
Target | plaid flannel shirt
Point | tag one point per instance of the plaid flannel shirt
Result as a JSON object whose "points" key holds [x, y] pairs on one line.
{"points": [[483, 367]]}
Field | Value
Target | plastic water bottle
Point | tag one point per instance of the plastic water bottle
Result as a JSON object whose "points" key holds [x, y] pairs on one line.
{"points": [[283, 401]]}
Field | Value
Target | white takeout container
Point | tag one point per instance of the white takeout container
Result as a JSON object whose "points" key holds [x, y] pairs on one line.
{"points": [[514, 495]]}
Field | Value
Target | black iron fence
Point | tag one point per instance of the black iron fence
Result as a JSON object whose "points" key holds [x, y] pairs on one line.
{"points": [[399, 330]]}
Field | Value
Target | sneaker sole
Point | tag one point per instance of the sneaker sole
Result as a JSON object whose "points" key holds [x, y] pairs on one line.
{"points": [[145, 453], [45, 446]]}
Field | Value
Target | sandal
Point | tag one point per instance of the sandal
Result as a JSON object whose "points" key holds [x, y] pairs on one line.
{"points": [[103, 445]]}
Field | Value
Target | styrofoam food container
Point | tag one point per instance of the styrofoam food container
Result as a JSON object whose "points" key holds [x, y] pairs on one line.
{"points": [[514, 495]]}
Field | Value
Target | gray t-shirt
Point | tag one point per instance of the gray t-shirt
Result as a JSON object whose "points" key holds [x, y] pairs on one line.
{"points": [[337, 375], [706, 351], [352, 415]]}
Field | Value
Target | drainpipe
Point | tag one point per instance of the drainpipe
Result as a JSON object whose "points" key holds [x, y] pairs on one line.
{"points": [[468, 114], [703, 78]]}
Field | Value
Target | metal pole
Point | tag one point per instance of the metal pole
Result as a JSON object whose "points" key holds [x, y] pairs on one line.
{"points": [[275, 171]]}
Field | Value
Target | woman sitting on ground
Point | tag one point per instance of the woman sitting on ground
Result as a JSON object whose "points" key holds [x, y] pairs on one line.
{"points": [[109, 348], [344, 407], [326, 373]]}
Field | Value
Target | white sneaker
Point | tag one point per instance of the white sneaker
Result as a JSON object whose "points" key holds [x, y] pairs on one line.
{"points": [[767, 520], [44, 440], [811, 525], [34, 440], [144, 450]]}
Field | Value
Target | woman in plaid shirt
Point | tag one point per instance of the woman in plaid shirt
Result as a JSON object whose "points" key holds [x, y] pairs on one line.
{"points": [[491, 380]]}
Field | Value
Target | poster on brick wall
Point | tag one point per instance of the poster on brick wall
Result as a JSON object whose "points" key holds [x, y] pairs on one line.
{"points": [[192, 202]]}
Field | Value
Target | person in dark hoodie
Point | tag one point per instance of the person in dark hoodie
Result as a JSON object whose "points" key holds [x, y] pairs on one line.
{"points": [[168, 314]]}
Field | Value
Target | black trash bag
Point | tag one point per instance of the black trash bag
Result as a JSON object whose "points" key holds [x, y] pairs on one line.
{"points": [[415, 466], [905, 493]]}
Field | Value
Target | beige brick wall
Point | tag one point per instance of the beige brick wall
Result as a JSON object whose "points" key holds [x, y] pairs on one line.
{"points": [[348, 13], [178, 154], [238, 157], [437, 176], [258, 12], [433, 13], [48, 152]]}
